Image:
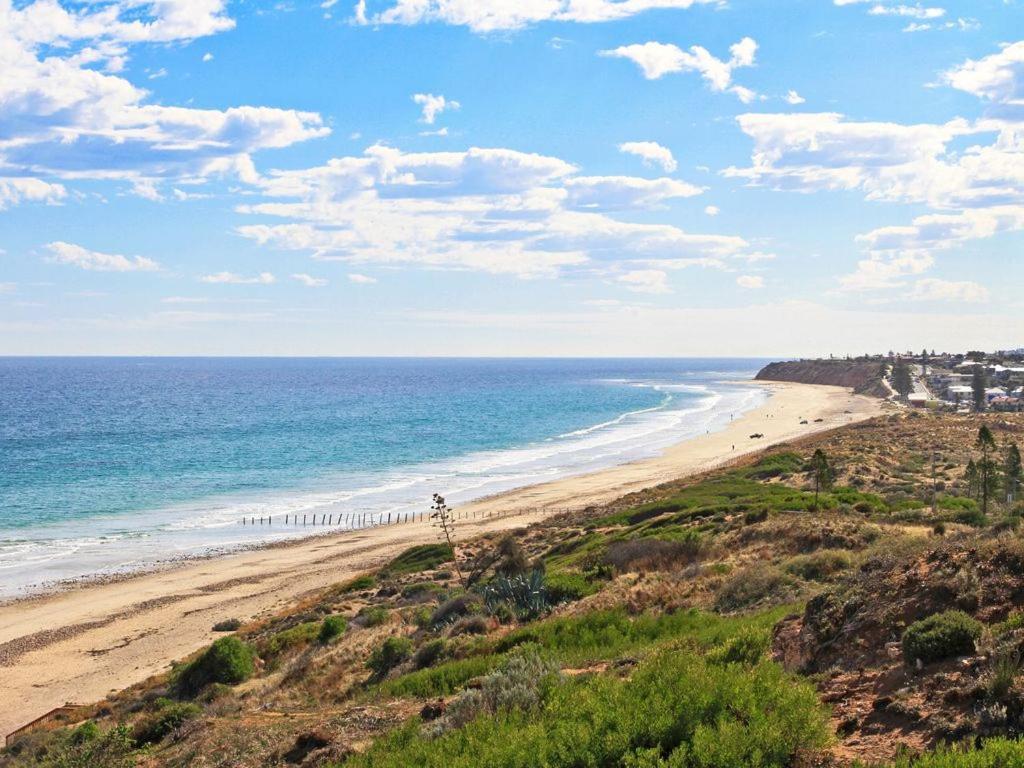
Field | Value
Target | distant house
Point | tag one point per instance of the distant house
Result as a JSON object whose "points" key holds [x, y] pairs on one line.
{"points": [[1006, 403]]}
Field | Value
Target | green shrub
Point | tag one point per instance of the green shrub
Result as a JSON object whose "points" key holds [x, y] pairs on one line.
{"points": [[332, 627], [688, 711], [374, 615], [820, 565], [747, 647], [359, 583], [995, 753], [442, 680], [422, 557], [420, 588], [470, 625], [428, 653], [168, 718], [525, 595], [228, 660], [228, 625], [389, 655], [940, 636], [280, 643], [111, 749], [568, 586], [756, 585]]}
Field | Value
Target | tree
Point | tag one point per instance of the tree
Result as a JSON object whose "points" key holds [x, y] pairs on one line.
{"points": [[979, 383], [822, 472], [1012, 472], [902, 379], [444, 519], [971, 478], [924, 362], [988, 479]]}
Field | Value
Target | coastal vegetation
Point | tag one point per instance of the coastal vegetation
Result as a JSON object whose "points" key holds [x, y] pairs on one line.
{"points": [[731, 619]]}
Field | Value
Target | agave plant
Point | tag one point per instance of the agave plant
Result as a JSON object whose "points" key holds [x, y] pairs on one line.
{"points": [[525, 595]]}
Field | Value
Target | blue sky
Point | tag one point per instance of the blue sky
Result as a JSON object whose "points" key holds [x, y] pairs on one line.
{"points": [[489, 177]]}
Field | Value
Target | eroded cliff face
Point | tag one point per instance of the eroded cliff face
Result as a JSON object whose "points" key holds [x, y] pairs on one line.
{"points": [[862, 377]]}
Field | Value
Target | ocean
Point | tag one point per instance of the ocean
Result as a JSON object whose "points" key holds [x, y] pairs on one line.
{"points": [[115, 464]]}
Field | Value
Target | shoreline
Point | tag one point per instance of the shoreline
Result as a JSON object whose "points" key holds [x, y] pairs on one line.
{"points": [[89, 638]]}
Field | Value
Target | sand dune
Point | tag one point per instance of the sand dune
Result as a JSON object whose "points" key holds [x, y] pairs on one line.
{"points": [[79, 644]]}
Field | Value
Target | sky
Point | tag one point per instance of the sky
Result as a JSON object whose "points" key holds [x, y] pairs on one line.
{"points": [[510, 177]]}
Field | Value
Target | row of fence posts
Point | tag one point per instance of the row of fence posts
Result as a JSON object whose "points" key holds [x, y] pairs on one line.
{"points": [[360, 519]]}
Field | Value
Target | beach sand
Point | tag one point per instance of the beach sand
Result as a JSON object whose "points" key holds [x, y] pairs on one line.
{"points": [[79, 644]]}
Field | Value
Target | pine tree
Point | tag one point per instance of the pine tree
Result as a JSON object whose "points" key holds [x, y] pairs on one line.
{"points": [[988, 471], [979, 383], [902, 379], [971, 478], [822, 472], [1012, 472]]}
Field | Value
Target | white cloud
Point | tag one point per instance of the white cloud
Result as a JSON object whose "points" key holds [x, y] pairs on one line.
{"points": [[645, 281], [230, 278], [207, 56], [83, 258], [490, 210], [883, 271], [907, 11], [309, 281], [750, 281], [656, 60], [17, 190], [358, 279], [433, 106], [997, 78], [933, 289], [493, 15], [68, 114], [651, 152], [620, 192], [712, 210], [794, 98]]}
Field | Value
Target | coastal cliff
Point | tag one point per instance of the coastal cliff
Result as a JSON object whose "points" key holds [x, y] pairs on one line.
{"points": [[864, 377]]}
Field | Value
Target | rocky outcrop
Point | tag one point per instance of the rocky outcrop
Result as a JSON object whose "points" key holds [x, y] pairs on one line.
{"points": [[862, 377]]}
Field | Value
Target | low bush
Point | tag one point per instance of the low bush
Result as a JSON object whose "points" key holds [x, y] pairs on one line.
{"points": [[167, 719], [940, 636], [110, 749], [469, 625], [747, 647], [675, 710], [649, 554], [568, 586], [820, 565], [359, 583], [332, 627], [995, 753], [289, 639], [422, 557], [518, 684], [441, 680], [373, 615], [228, 660], [455, 608], [228, 625], [389, 655], [524, 595], [754, 586], [428, 654]]}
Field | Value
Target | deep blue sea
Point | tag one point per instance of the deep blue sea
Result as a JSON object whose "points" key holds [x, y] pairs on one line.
{"points": [[109, 464]]}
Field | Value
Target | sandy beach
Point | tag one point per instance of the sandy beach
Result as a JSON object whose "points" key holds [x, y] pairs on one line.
{"points": [[79, 644]]}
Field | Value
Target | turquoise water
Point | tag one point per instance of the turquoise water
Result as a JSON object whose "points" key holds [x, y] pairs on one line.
{"points": [[112, 464]]}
